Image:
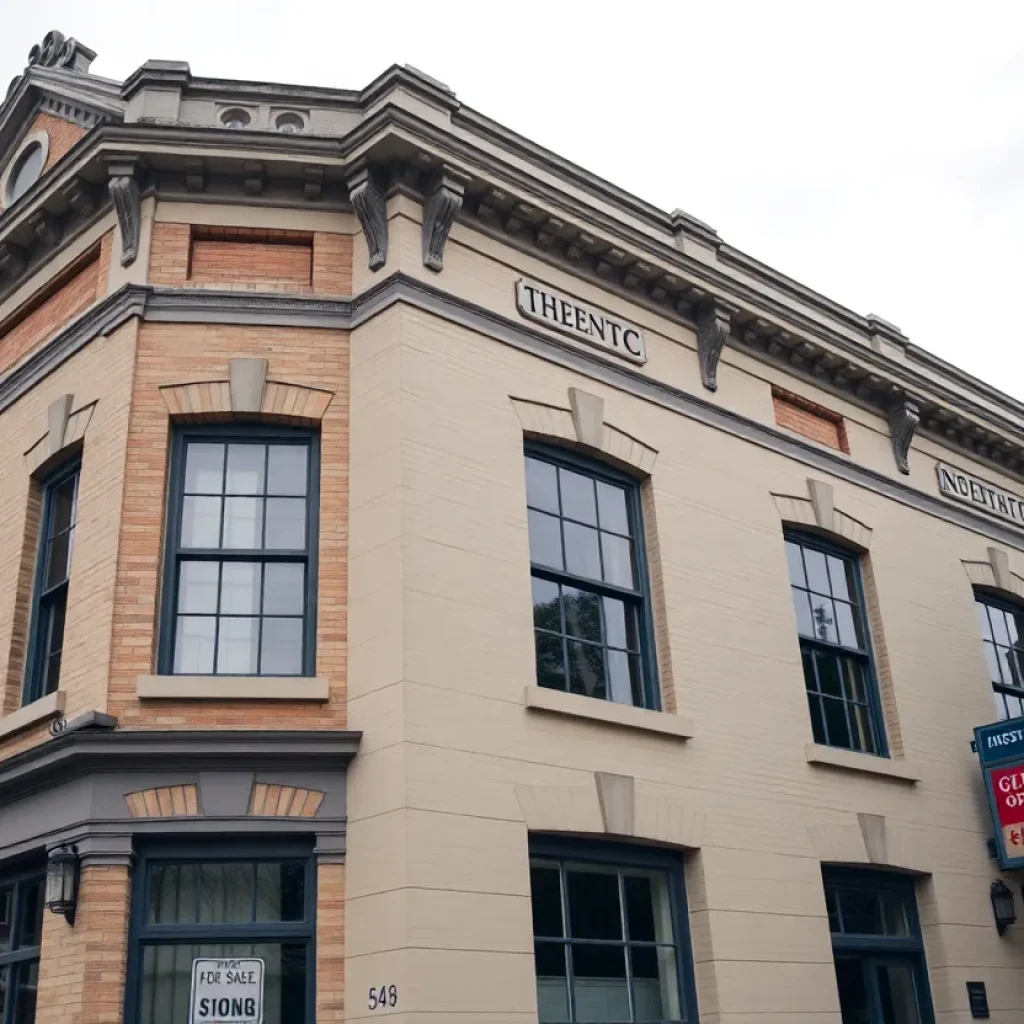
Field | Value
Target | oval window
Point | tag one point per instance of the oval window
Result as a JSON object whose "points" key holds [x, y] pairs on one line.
{"points": [[27, 169], [289, 124], [235, 118]]}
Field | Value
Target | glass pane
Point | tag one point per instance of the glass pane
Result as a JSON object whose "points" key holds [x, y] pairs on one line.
{"points": [[243, 523], [986, 628], [655, 983], [611, 507], [817, 719], [624, 683], [894, 914], [835, 722], [849, 634], [1011, 666], [286, 524], [600, 983], [245, 468], [804, 625], [193, 645], [817, 571], [550, 662], [240, 589], [541, 486], [552, 1000], [586, 669], [281, 647], [619, 624], [281, 891], [851, 976], [173, 890], [197, 587], [639, 908], [593, 903], [581, 551], [578, 500], [830, 680], [853, 675], [51, 674], [618, 560], [796, 565], [236, 647], [992, 661], [284, 588], [546, 613], [54, 614], [57, 559], [26, 982], [897, 994], [204, 469], [62, 499], [200, 523], [582, 614], [860, 910], [999, 631], [810, 674], [546, 900], [839, 574], [862, 737], [545, 540], [30, 913], [226, 893], [823, 618], [6, 918], [834, 924], [286, 469]]}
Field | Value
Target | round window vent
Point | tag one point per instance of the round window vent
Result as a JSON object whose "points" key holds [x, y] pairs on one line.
{"points": [[235, 118], [27, 168], [289, 124]]}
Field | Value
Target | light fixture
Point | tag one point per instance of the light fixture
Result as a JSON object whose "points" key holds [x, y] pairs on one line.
{"points": [[1002, 905], [62, 882]]}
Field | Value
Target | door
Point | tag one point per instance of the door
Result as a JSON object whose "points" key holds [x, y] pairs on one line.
{"points": [[878, 990]]}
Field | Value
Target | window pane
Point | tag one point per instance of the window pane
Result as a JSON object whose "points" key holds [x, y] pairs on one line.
{"points": [[804, 625], [541, 486], [582, 614], [586, 669], [550, 662], [618, 560], [810, 673], [281, 891], [611, 507], [639, 908], [552, 1001], [829, 677], [578, 500], [619, 624], [839, 571], [624, 683], [197, 587], [993, 662], [894, 914], [986, 629], [545, 540], [593, 903], [193, 645], [236, 646], [204, 469], [834, 924], [849, 634], [281, 653], [897, 993], [286, 524], [862, 737], [817, 719], [54, 614], [1011, 666], [173, 890], [823, 618], [26, 982], [817, 572], [1012, 621], [58, 557], [245, 468], [860, 910], [600, 983], [284, 588], [30, 913], [240, 589], [835, 722], [581, 551], [546, 612], [200, 523], [243, 523], [796, 565], [546, 899], [999, 631], [226, 892], [62, 499], [6, 918], [286, 469], [655, 983]]}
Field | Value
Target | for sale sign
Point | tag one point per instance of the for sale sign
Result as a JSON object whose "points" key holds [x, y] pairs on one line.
{"points": [[227, 991]]}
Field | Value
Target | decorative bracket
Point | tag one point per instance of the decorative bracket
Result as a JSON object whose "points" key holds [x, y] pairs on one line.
{"points": [[440, 208], [713, 319], [79, 194], [12, 259], [46, 226], [371, 206], [124, 191], [903, 420]]}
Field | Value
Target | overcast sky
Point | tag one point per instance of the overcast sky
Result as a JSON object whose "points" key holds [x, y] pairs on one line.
{"points": [[873, 151]]}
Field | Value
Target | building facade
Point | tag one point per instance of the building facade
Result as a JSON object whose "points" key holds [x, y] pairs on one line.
{"points": [[437, 585]]}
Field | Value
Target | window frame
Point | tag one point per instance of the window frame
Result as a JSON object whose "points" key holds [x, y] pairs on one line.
{"points": [[35, 662], [26, 954], [620, 855], [866, 656], [640, 598], [142, 933], [1008, 605], [173, 554]]}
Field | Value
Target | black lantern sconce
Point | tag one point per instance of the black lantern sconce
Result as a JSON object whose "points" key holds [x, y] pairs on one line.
{"points": [[62, 882], [1002, 905]]}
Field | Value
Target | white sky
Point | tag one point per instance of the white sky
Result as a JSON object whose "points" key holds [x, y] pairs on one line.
{"points": [[873, 151]]}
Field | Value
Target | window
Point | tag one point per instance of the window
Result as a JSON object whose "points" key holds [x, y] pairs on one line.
{"points": [[21, 929], [235, 117], [242, 542], [877, 947], [1002, 624], [27, 168], [591, 611], [289, 123], [609, 934], [835, 646], [192, 904], [49, 607]]}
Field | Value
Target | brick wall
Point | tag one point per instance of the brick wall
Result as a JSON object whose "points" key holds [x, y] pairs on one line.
{"points": [[62, 137], [330, 944], [810, 420], [10, 698]]}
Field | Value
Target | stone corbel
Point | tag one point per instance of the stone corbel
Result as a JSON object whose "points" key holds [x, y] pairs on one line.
{"points": [[371, 206], [440, 207], [713, 320], [12, 259], [80, 196], [124, 192], [903, 420], [46, 226]]}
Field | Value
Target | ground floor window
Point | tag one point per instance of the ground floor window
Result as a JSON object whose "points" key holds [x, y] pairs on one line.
{"points": [[610, 934], [21, 929], [191, 904], [879, 954]]}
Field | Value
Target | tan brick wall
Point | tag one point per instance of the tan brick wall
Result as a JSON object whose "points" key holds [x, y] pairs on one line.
{"points": [[170, 353], [10, 698], [63, 136], [168, 256], [810, 420], [330, 944]]}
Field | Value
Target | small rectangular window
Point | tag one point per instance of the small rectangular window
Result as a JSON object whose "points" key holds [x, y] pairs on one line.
{"points": [[21, 929], [1002, 637]]}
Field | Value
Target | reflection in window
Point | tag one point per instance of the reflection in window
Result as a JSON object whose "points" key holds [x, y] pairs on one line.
{"points": [[26, 171], [1002, 626], [589, 587], [21, 929]]}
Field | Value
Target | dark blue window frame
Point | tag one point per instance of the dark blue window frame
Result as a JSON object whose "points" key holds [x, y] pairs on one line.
{"points": [[548, 848], [27, 888], [995, 615], [143, 933]]}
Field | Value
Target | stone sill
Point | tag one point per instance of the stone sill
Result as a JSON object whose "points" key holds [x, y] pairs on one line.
{"points": [[46, 707], [855, 761], [233, 688], [574, 705]]}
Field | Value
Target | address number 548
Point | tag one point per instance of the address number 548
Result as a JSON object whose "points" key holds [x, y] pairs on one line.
{"points": [[385, 996]]}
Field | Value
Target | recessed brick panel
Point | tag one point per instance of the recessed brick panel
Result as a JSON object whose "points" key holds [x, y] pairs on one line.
{"points": [[810, 420]]}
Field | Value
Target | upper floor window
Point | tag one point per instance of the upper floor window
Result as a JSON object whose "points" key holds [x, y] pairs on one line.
{"points": [[590, 603], [834, 645], [242, 547], [53, 573], [1002, 624], [26, 171], [21, 931]]}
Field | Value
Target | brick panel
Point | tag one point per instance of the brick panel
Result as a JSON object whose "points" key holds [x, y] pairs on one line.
{"points": [[809, 420], [274, 261], [168, 255], [63, 136], [330, 944], [332, 264]]}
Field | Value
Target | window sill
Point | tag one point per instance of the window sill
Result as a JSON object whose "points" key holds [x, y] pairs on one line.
{"points": [[574, 705], [39, 710], [855, 761], [233, 688]]}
